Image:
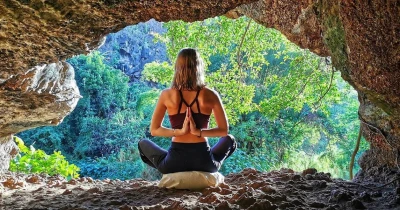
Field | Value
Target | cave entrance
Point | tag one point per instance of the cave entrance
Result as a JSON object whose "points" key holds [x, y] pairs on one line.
{"points": [[286, 106]]}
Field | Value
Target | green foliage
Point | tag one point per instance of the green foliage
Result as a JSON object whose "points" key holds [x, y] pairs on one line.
{"points": [[37, 161], [237, 96], [48, 138], [126, 164], [238, 161], [161, 73], [111, 117], [111, 114], [103, 88], [300, 160], [304, 84]]}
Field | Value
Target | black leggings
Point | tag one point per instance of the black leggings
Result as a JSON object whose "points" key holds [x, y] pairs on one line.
{"points": [[187, 156]]}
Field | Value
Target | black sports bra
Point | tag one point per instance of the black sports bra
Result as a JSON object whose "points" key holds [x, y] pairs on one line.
{"points": [[199, 118]]}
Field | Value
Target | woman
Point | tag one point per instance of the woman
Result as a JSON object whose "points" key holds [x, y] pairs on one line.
{"points": [[189, 149]]}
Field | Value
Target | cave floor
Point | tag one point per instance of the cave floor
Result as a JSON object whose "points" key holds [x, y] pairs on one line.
{"points": [[249, 189]]}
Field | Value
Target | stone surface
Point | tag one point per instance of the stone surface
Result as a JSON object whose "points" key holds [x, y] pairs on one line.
{"points": [[249, 189], [362, 37], [297, 20], [136, 48], [35, 32], [373, 67], [8, 150], [41, 96]]}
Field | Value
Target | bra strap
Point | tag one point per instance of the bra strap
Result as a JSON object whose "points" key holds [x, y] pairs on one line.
{"points": [[198, 106], [189, 105], [195, 99], [180, 103]]}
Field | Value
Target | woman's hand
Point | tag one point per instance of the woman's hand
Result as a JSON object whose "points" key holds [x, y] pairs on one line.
{"points": [[193, 128], [186, 124]]}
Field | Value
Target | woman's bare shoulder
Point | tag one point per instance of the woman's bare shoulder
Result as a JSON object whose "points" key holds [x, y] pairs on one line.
{"points": [[168, 91], [210, 93], [210, 90]]}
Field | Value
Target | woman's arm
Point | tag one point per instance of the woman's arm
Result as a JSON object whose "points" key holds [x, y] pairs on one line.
{"points": [[220, 118], [156, 128]]}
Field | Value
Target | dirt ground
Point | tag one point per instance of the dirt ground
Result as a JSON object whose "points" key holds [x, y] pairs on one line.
{"points": [[249, 189]]}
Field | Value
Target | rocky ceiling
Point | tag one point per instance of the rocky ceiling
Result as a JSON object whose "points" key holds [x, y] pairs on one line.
{"points": [[37, 86]]}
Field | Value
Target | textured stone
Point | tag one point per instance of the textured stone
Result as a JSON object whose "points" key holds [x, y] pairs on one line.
{"points": [[34, 32], [133, 54], [8, 150], [234, 194], [43, 95], [297, 20], [373, 69]]}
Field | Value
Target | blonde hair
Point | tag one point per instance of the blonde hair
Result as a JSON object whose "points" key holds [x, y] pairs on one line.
{"points": [[189, 70]]}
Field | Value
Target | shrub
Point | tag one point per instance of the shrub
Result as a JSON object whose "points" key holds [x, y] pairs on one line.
{"points": [[37, 161]]}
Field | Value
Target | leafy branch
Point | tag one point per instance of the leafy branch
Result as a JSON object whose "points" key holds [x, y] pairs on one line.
{"points": [[37, 161]]}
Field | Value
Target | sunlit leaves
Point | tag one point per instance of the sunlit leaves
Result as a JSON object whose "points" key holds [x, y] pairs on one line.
{"points": [[161, 73], [146, 102], [221, 36], [31, 160], [103, 87], [111, 114], [275, 95], [237, 96], [305, 83]]}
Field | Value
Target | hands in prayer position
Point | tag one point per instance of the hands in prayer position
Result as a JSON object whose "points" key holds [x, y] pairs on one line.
{"points": [[189, 126]]}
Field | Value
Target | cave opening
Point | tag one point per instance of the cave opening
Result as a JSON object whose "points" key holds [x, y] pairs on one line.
{"points": [[37, 88], [287, 106]]}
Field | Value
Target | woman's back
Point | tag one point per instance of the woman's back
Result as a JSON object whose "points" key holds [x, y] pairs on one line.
{"points": [[205, 100], [201, 104]]}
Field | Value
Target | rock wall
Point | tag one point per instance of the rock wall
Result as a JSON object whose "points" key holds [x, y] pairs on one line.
{"points": [[34, 32], [132, 47], [360, 36], [372, 35], [41, 96]]}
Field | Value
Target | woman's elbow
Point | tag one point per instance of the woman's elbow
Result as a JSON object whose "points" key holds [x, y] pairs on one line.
{"points": [[153, 132], [224, 132]]}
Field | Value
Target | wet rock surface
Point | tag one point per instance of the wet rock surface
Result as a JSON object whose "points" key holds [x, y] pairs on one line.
{"points": [[249, 189]]}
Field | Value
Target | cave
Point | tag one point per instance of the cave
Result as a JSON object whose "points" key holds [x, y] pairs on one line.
{"points": [[37, 86]]}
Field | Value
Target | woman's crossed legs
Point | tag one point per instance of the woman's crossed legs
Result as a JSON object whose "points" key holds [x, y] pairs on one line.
{"points": [[155, 156]]}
